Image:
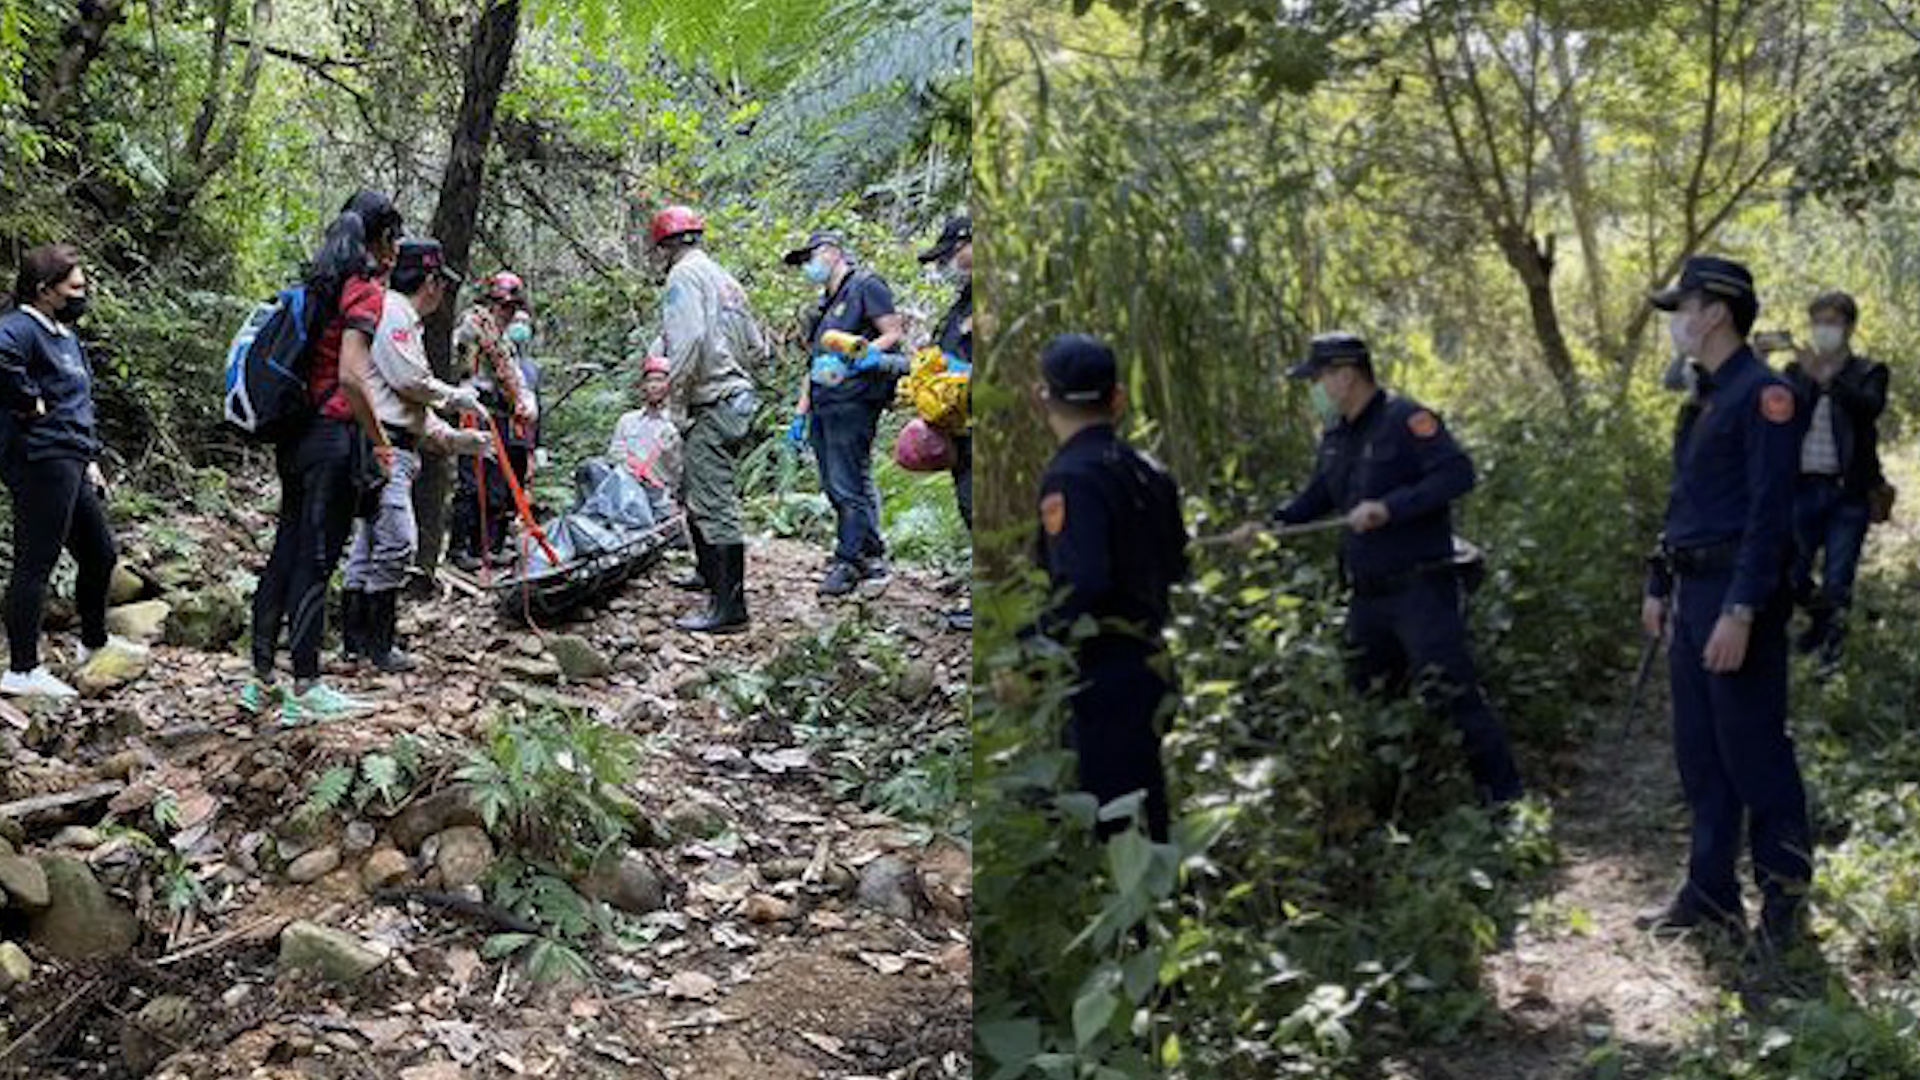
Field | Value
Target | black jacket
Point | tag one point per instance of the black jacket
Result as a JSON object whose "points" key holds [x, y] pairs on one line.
{"points": [[46, 392], [1859, 394]]}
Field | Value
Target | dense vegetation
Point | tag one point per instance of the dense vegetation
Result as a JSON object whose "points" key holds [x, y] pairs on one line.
{"points": [[1485, 191]]}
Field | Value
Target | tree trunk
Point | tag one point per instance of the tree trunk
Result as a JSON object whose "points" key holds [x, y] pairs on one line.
{"points": [[85, 38], [1534, 263], [455, 218], [1570, 146]]}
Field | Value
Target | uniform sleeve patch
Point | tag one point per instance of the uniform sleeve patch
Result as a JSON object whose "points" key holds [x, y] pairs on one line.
{"points": [[1776, 404], [1053, 512], [1423, 424]]}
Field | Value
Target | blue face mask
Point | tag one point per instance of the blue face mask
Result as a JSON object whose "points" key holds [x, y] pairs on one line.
{"points": [[1323, 405], [816, 270], [520, 333]]}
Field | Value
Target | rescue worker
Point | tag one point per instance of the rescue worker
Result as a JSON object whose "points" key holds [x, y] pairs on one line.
{"points": [[645, 440], [1112, 542], [844, 417], [953, 253], [1391, 469], [404, 392], [1842, 395], [486, 358], [708, 335], [1721, 595]]}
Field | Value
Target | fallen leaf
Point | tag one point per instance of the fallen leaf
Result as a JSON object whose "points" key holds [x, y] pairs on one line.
{"points": [[693, 986], [885, 963]]}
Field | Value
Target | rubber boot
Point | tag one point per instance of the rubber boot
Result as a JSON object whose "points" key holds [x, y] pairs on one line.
{"points": [[727, 608], [353, 624], [695, 580], [383, 620]]}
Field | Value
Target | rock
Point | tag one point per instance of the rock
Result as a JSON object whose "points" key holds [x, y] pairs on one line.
{"points": [[384, 868], [271, 780], [693, 986], [12, 831], [577, 657], [628, 882], [439, 1070], [24, 881], [915, 681], [151, 1034], [114, 665], [78, 837], [125, 586], [329, 953], [696, 819], [946, 878], [208, 620], [435, 813], [15, 968], [81, 919], [887, 885], [314, 865], [532, 669], [143, 622], [360, 836], [6, 846], [761, 908], [463, 855], [123, 765]]}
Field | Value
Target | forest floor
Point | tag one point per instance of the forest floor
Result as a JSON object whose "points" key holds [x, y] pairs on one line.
{"points": [[801, 934]]}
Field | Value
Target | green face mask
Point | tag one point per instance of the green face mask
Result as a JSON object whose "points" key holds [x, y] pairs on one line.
{"points": [[1323, 405]]}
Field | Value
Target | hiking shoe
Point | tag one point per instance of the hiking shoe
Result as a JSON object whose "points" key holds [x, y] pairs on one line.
{"points": [[395, 662], [36, 683], [961, 620], [465, 561], [320, 704], [841, 579], [1681, 917], [257, 697], [875, 568]]}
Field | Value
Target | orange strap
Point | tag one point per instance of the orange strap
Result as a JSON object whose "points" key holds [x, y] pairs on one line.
{"points": [[520, 502]]}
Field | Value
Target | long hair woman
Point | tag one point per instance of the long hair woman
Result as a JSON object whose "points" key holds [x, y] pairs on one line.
{"points": [[318, 465]]}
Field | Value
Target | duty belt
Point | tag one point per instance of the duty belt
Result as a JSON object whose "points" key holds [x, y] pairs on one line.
{"points": [[1704, 559], [1367, 588]]}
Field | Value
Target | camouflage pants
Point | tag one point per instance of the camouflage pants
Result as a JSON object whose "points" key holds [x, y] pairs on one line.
{"points": [[713, 443]]}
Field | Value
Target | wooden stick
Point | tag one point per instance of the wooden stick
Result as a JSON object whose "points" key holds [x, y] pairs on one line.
{"points": [[22, 808], [1278, 532]]}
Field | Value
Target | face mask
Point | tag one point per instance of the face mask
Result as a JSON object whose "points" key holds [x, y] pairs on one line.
{"points": [[1680, 331], [816, 270], [1323, 405], [71, 310], [1828, 338], [519, 333]]}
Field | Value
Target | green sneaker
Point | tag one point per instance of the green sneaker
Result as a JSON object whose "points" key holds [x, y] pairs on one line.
{"points": [[257, 697], [322, 703]]}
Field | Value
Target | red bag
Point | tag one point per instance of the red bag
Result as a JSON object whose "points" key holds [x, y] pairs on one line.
{"points": [[922, 447]]}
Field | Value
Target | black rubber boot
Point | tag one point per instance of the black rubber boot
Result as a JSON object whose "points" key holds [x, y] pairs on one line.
{"points": [[383, 620], [727, 608], [353, 624], [696, 579]]}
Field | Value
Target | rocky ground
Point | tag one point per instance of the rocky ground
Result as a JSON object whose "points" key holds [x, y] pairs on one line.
{"points": [[768, 928]]}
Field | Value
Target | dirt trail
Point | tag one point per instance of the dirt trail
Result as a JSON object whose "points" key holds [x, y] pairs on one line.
{"points": [[834, 988]]}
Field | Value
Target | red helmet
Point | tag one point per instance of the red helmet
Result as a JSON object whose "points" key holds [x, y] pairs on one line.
{"points": [[673, 221], [655, 363], [506, 285]]}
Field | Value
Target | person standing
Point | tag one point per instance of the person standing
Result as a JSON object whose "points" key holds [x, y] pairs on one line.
{"points": [[1723, 600], [1390, 468], [404, 393], [1112, 542], [49, 451], [708, 335], [487, 355], [953, 253], [1842, 395], [320, 465], [845, 416]]}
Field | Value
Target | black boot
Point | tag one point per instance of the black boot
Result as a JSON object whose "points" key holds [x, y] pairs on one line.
{"points": [[353, 624], [727, 609], [383, 620], [1820, 626], [696, 579]]}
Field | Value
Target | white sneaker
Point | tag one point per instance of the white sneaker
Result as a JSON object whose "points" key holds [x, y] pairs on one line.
{"points": [[36, 683], [116, 643]]}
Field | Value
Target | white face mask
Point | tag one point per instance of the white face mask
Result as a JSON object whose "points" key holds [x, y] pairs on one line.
{"points": [[1680, 331], [1828, 338]]}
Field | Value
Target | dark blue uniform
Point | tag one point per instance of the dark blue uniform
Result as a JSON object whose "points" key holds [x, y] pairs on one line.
{"points": [[1112, 542], [1729, 535], [1406, 619], [845, 417], [956, 339]]}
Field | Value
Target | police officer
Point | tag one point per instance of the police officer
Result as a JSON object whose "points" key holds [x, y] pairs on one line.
{"points": [[1725, 600], [1112, 542], [1390, 468], [953, 253], [708, 335], [844, 416]]}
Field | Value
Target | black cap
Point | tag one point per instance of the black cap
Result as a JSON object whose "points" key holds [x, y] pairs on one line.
{"points": [[1332, 349], [425, 254], [1079, 369], [959, 230], [1722, 279], [820, 238]]}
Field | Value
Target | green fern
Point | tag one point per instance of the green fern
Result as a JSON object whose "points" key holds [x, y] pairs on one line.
{"points": [[328, 793], [382, 774]]}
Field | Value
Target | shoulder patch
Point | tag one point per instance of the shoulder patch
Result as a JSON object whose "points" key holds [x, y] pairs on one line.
{"points": [[1053, 512], [1776, 403], [401, 334], [1423, 424]]}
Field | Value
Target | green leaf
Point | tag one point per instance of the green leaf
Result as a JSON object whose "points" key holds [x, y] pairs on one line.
{"points": [[1010, 1042], [503, 945], [1094, 1008]]}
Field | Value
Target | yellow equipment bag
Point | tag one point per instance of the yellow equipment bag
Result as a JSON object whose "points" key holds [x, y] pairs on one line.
{"points": [[938, 395]]}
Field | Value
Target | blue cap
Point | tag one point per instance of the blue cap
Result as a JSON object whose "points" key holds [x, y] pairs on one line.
{"points": [[1333, 349], [1712, 276], [1079, 368]]}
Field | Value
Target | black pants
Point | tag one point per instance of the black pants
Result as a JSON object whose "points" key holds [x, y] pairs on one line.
{"points": [[463, 528], [54, 508], [1115, 733], [316, 515], [963, 477]]}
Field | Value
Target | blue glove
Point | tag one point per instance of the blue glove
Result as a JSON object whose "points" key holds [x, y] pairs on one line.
{"points": [[875, 360], [957, 366], [797, 431], [829, 370]]}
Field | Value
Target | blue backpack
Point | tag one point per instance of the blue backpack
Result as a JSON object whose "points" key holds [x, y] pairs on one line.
{"points": [[266, 394]]}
